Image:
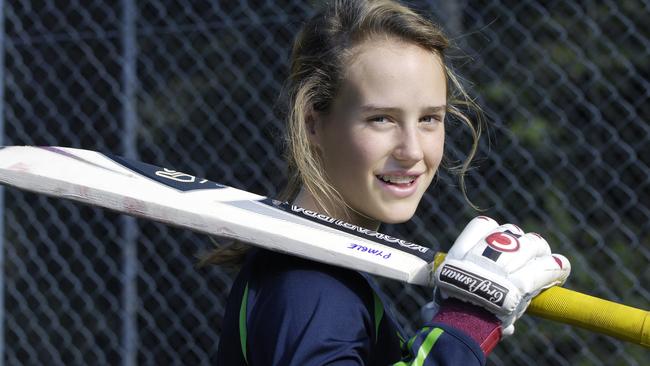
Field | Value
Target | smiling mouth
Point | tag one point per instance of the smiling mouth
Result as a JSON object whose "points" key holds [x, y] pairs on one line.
{"points": [[397, 179]]}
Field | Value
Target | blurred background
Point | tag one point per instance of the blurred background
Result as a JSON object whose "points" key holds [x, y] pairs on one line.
{"points": [[194, 85]]}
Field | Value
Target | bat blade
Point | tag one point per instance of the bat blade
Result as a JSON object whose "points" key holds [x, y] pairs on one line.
{"points": [[180, 199]]}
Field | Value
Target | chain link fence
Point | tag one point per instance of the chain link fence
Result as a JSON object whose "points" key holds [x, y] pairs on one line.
{"points": [[193, 85]]}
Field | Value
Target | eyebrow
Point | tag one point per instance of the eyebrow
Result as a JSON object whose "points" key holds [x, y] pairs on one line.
{"points": [[376, 108]]}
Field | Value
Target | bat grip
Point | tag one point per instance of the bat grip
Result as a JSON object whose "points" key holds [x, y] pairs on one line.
{"points": [[592, 313]]}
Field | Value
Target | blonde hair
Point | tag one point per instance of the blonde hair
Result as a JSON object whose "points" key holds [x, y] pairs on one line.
{"points": [[318, 58]]}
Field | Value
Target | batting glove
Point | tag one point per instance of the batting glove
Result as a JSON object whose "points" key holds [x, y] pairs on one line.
{"points": [[499, 268]]}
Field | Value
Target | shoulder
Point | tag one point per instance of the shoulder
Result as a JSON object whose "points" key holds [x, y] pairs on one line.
{"points": [[288, 279], [303, 312]]}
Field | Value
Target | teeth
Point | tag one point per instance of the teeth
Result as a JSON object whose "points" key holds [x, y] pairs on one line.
{"points": [[397, 179]]}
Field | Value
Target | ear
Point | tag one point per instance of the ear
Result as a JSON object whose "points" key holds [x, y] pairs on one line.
{"points": [[314, 124]]}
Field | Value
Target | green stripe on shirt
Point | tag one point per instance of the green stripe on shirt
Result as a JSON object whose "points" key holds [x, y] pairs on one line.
{"points": [[379, 314], [425, 348], [242, 323]]}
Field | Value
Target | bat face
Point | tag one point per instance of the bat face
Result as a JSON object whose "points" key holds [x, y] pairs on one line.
{"points": [[186, 182]]}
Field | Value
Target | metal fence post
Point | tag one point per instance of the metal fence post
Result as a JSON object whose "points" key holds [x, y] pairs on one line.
{"points": [[2, 195], [129, 228]]}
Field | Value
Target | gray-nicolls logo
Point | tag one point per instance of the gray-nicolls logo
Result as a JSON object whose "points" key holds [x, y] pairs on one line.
{"points": [[174, 175], [473, 283]]}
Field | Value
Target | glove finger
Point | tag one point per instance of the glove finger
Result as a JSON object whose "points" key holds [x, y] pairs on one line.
{"points": [[505, 250], [512, 228], [531, 246], [541, 273], [542, 245], [475, 230]]}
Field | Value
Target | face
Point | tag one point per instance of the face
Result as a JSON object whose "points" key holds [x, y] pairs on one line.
{"points": [[382, 139]]}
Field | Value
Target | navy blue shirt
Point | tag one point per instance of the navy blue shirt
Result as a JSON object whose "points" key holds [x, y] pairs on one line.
{"points": [[285, 310]]}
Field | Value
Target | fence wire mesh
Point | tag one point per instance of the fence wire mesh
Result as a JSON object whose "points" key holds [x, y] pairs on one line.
{"points": [[193, 85]]}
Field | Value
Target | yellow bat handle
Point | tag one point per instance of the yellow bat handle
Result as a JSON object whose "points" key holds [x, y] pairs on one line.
{"points": [[589, 312]]}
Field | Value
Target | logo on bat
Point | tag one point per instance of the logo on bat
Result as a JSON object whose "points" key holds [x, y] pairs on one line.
{"points": [[365, 249], [177, 176], [171, 178]]}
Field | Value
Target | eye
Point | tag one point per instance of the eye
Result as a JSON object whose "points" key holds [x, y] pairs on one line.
{"points": [[433, 118], [379, 119]]}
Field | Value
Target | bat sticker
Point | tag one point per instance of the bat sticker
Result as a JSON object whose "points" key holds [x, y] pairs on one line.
{"points": [[171, 178]]}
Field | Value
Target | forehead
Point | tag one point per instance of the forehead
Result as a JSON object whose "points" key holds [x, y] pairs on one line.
{"points": [[389, 71]]}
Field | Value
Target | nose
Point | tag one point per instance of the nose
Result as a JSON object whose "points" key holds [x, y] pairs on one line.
{"points": [[409, 146]]}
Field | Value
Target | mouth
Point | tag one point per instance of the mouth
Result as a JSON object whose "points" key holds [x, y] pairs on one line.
{"points": [[399, 185], [398, 180]]}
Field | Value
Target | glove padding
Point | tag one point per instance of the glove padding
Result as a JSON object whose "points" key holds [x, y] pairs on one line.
{"points": [[499, 268]]}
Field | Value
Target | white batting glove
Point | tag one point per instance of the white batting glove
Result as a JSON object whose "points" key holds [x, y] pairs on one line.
{"points": [[499, 268]]}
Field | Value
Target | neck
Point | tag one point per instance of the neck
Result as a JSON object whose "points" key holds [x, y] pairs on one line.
{"points": [[306, 200]]}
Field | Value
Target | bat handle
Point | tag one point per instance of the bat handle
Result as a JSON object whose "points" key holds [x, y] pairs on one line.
{"points": [[595, 314]]}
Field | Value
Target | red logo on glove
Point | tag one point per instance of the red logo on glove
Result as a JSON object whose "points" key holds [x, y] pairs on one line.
{"points": [[502, 242]]}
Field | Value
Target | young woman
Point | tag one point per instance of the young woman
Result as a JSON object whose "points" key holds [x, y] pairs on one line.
{"points": [[369, 92]]}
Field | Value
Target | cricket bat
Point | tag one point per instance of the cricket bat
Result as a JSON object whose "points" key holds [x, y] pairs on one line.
{"points": [[184, 200]]}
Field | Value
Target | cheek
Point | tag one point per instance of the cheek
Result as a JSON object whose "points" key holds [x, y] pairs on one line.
{"points": [[434, 151], [350, 158], [365, 151], [347, 155]]}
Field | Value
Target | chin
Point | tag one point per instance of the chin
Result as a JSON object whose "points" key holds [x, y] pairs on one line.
{"points": [[396, 216], [396, 221]]}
